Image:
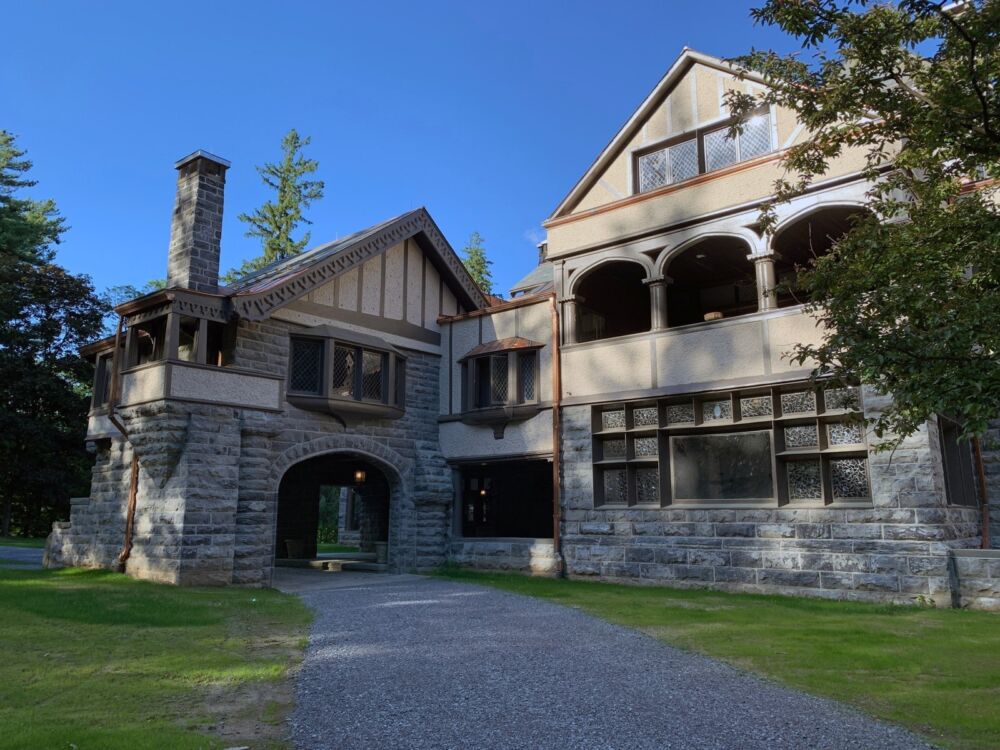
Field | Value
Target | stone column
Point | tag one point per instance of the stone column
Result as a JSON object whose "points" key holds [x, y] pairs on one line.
{"points": [[569, 319], [658, 301], [767, 298]]}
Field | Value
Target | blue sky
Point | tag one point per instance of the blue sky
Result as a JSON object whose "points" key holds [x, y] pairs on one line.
{"points": [[485, 114]]}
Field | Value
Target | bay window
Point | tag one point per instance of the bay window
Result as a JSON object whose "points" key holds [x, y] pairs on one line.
{"points": [[336, 371]]}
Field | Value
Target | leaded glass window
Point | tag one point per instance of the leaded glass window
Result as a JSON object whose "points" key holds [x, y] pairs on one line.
{"points": [[652, 170], [720, 149], [306, 366], [526, 374], [755, 140], [683, 160], [372, 375], [342, 382], [761, 447], [615, 486]]}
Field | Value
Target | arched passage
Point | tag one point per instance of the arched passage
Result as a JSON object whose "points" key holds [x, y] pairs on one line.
{"points": [[612, 300], [709, 279], [303, 485], [800, 241]]}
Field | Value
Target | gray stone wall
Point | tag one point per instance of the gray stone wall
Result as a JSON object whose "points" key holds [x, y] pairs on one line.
{"points": [[209, 478], [976, 578], [532, 556], [897, 550]]}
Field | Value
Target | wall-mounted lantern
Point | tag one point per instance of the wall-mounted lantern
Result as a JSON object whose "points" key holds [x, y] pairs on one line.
{"points": [[359, 476]]}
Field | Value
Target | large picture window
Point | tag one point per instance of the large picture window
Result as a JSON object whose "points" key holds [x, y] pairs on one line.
{"points": [[792, 446]]}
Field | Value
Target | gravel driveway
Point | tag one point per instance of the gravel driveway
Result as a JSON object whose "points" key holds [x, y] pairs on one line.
{"points": [[20, 558], [411, 662]]}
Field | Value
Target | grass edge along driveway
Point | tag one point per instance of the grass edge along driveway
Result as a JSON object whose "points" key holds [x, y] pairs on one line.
{"points": [[94, 659], [936, 671]]}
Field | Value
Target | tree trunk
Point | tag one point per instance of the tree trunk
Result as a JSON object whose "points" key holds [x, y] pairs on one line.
{"points": [[7, 509]]}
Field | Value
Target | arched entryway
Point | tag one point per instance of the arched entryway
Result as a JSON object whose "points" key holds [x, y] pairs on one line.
{"points": [[354, 480]]}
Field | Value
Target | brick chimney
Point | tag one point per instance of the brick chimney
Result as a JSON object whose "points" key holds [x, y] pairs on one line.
{"points": [[196, 229]]}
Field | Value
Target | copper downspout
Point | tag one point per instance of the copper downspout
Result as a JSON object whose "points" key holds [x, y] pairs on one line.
{"points": [[133, 482], [984, 503], [556, 439]]}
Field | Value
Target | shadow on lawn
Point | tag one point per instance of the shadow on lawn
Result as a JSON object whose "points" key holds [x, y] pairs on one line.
{"points": [[53, 595]]}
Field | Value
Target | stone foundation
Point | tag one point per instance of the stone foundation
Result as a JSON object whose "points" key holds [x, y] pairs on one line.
{"points": [[533, 556], [897, 550]]}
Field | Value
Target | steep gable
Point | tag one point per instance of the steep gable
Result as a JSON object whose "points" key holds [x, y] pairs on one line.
{"points": [[373, 272], [689, 96]]}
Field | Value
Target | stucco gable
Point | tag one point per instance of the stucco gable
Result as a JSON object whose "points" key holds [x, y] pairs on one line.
{"points": [[259, 295], [690, 95]]}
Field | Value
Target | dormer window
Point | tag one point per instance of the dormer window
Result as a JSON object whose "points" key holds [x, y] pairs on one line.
{"points": [[346, 373], [703, 151]]}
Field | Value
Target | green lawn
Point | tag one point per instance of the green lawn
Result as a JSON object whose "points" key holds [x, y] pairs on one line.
{"points": [[17, 541], [92, 659], [934, 670], [331, 547]]}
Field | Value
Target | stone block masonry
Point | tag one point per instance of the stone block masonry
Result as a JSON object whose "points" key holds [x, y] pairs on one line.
{"points": [[209, 478], [896, 550]]}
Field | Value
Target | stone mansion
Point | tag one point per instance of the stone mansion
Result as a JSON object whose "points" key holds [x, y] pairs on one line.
{"points": [[630, 413]]}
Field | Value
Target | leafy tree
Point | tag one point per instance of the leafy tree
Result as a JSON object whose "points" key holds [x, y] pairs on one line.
{"points": [[276, 221], [910, 296], [46, 314], [477, 264]]}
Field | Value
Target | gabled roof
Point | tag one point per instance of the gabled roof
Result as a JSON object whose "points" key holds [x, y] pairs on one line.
{"points": [[687, 58], [281, 282]]}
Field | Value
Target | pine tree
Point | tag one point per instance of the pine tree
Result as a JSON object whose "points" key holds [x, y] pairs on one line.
{"points": [[46, 314], [477, 264], [276, 221]]}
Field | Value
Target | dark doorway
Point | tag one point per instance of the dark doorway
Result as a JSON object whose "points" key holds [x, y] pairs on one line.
{"points": [[299, 497], [507, 499]]}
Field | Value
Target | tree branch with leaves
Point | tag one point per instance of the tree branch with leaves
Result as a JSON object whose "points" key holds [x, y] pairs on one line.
{"points": [[909, 297]]}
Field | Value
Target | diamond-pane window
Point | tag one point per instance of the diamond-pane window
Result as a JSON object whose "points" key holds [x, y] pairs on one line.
{"points": [[752, 407], [306, 366], [372, 375], [680, 414], [526, 376], [614, 448], [498, 379], [342, 379], [800, 402], [801, 436], [683, 160], [714, 411], [756, 137], [720, 149], [652, 171], [646, 447]]}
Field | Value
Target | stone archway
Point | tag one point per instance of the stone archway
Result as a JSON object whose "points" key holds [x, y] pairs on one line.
{"points": [[298, 473]]}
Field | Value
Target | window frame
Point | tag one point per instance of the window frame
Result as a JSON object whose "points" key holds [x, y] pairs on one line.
{"points": [[698, 135], [515, 394], [392, 400], [725, 413]]}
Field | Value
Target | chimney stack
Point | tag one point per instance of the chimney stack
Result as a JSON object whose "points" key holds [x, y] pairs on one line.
{"points": [[196, 228]]}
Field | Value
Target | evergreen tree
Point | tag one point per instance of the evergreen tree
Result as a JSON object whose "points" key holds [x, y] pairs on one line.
{"points": [[46, 314], [477, 264], [276, 221]]}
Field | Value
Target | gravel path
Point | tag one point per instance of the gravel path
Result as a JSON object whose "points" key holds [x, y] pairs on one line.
{"points": [[20, 558], [409, 662]]}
